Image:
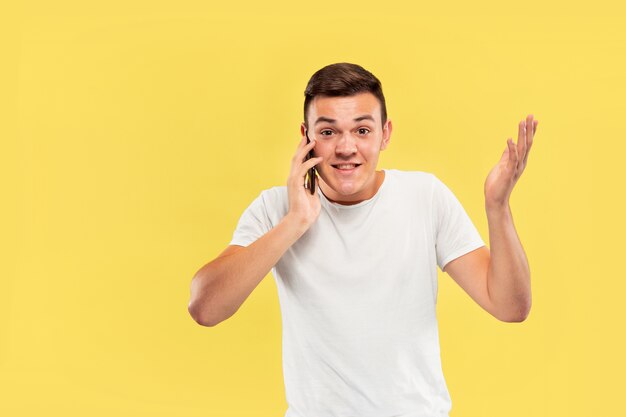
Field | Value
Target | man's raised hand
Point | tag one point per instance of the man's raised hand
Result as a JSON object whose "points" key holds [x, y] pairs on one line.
{"points": [[503, 177]]}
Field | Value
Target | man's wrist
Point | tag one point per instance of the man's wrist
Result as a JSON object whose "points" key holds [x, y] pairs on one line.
{"points": [[295, 223]]}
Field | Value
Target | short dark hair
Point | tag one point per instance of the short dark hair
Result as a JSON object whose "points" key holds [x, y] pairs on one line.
{"points": [[343, 79]]}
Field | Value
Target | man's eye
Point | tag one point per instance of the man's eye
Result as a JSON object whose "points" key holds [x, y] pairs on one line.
{"points": [[363, 129], [324, 132]]}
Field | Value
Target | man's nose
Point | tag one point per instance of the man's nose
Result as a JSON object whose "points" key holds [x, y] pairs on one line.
{"points": [[346, 144]]}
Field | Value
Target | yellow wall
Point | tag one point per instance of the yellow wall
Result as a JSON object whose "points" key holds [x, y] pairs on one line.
{"points": [[135, 133]]}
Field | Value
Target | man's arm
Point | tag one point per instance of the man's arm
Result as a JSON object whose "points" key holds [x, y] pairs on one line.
{"points": [[499, 280], [508, 277], [220, 287]]}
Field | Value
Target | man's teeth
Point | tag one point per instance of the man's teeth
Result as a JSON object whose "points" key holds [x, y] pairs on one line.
{"points": [[347, 166]]}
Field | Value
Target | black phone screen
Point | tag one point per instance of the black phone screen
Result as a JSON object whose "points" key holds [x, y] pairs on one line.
{"points": [[311, 171]]}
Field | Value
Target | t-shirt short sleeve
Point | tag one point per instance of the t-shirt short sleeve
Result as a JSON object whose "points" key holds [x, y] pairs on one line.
{"points": [[253, 223], [455, 234]]}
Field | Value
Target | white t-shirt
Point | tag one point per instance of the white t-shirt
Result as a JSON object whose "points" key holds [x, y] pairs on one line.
{"points": [[357, 294]]}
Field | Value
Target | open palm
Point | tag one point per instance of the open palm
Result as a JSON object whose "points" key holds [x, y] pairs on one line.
{"points": [[503, 177]]}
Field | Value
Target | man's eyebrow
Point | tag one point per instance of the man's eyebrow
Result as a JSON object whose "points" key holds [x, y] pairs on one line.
{"points": [[364, 117], [333, 121]]}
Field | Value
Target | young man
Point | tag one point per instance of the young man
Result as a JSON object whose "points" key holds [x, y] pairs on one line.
{"points": [[356, 262]]}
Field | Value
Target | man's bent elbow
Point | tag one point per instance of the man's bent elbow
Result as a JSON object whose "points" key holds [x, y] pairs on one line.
{"points": [[201, 318], [198, 304], [518, 315]]}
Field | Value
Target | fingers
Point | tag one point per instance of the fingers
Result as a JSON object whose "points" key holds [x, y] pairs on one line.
{"points": [[308, 165], [513, 155], [521, 138], [303, 150], [531, 129], [525, 134], [300, 166], [301, 144]]}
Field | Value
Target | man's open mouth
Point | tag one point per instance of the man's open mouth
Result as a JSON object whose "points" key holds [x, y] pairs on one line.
{"points": [[345, 167]]}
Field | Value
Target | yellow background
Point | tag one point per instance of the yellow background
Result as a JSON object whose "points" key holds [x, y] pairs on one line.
{"points": [[134, 134]]}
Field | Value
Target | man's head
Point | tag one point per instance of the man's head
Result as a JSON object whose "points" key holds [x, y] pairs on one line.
{"points": [[345, 113]]}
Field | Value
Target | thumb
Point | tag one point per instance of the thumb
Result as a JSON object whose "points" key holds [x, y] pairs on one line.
{"points": [[505, 154]]}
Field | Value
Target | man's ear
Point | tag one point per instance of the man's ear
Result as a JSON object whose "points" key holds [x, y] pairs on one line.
{"points": [[387, 128], [302, 128]]}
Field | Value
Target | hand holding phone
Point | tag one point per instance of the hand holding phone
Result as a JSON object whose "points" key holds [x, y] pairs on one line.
{"points": [[304, 205]]}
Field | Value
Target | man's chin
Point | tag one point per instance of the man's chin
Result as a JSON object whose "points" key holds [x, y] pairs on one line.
{"points": [[346, 190]]}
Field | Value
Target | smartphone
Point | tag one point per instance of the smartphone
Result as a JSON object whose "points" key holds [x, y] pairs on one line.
{"points": [[311, 171]]}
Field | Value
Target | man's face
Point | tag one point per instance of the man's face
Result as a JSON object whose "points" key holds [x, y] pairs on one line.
{"points": [[348, 131]]}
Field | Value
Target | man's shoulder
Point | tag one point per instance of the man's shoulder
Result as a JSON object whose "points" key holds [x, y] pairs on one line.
{"points": [[412, 177], [275, 198], [278, 192]]}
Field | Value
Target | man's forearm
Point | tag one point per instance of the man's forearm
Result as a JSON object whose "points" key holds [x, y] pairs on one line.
{"points": [[508, 277], [220, 287]]}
